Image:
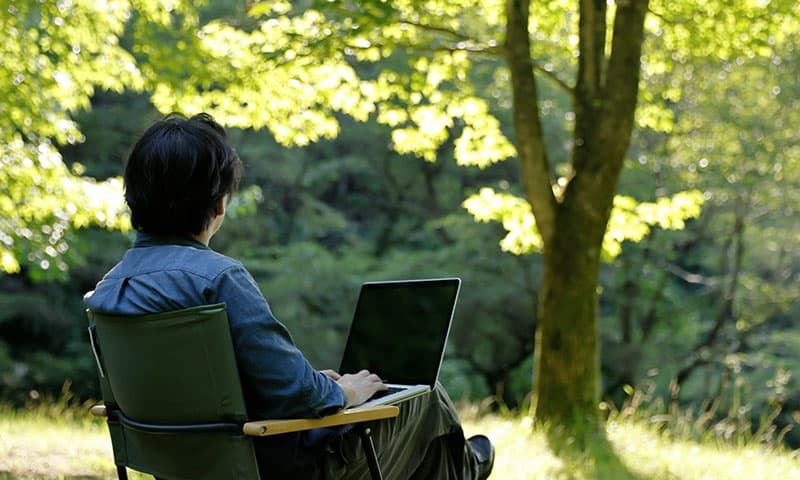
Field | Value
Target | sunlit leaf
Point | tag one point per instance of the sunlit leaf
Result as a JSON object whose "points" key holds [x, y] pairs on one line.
{"points": [[630, 220]]}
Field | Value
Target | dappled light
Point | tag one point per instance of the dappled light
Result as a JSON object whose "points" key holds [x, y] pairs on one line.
{"points": [[629, 220], [43, 200], [617, 184]]}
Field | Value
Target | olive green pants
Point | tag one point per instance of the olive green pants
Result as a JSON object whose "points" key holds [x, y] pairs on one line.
{"points": [[425, 441]]}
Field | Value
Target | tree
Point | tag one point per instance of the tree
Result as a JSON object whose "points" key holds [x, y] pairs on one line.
{"points": [[295, 67]]}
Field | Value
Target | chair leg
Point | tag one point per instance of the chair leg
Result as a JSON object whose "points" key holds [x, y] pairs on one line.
{"points": [[122, 473], [369, 450]]}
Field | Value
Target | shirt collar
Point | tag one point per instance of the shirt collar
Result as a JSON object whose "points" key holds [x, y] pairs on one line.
{"points": [[144, 239]]}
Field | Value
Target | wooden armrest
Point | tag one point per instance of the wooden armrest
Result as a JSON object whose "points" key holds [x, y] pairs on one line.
{"points": [[99, 411], [263, 428]]}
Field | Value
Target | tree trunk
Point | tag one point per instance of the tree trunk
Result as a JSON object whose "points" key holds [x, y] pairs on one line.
{"points": [[567, 351]]}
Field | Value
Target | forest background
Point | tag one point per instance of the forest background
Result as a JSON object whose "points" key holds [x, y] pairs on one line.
{"points": [[702, 317]]}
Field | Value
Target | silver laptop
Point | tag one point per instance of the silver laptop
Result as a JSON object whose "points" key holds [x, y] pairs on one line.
{"points": [[399, 332]]}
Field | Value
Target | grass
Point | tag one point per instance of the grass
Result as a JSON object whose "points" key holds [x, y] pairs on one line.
{"points": [[54, 440], [33, 446], [631, 450]]}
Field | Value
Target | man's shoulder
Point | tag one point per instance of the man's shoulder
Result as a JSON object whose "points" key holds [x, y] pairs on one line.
{"points": [[220, 264], [161, 278], [205, 263]]}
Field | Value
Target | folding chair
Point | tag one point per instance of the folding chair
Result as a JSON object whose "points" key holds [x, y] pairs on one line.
{"points": [[173, 399]]}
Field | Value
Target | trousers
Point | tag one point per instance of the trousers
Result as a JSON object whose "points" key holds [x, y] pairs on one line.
{"points": [[425, 441]]}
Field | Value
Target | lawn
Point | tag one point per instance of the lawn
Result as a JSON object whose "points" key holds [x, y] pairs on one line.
{"points": [[633, 450], [65, 443]]}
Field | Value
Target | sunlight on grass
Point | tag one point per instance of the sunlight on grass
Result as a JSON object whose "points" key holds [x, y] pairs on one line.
{"points": [[519, 454], [31, 447], [657, 456], [634, 451], [54, 442]]}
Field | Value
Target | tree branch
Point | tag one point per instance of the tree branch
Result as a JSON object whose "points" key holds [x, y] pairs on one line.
{"points": [[592, 28], [689, 277], [435, 28], [535, 167], [591, 59], [671, 21], [726, 310], [701, 354], [554, 78], [605, 119], [488, 50], [621, 83]]}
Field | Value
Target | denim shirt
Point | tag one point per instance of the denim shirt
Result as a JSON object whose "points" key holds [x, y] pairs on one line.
{"points": [[162, 274]]}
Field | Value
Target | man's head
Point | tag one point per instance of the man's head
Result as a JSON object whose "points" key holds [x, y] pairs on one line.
{"points": [[178, 173]]}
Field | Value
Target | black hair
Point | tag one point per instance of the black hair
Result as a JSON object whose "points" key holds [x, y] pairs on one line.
{"points": [[176, 174]]}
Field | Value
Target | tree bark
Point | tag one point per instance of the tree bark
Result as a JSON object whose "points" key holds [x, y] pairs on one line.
{"points": [[567, 363]]}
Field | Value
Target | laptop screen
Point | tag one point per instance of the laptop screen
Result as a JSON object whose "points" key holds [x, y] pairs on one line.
{"points": [[400, 329]]}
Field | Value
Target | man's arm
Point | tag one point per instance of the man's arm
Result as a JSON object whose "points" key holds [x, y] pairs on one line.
{"points": [[277, 380]]}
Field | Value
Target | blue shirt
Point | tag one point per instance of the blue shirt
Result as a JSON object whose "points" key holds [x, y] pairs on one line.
{"points": [[163, 274]]}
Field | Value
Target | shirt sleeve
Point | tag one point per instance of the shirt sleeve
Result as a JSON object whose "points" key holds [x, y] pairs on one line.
{"points": [[277, 380]]}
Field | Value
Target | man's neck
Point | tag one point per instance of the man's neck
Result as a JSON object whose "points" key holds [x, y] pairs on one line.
{"points": [[203, 237]]}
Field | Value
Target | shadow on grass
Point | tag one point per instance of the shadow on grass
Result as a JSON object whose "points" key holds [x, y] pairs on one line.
{"points": [[588, 455]]}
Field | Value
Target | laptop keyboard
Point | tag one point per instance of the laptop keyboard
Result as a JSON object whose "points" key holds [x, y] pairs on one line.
{"points": [[383, 393]]}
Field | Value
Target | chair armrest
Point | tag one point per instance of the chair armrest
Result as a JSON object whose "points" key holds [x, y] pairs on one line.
{"points": [[264, 428]]}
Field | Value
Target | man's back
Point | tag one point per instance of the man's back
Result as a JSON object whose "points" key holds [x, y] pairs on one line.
{"points": [[161, 274]]}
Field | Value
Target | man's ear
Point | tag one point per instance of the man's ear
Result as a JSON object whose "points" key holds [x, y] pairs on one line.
{"points": [[221, 205]]}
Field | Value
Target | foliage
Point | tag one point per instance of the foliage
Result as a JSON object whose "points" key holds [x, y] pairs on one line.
{"points": [[291, 74], [56, 56], [629, 219], [43, 201], [42, 329], [59, 60], [425, 91], [717, 294]]}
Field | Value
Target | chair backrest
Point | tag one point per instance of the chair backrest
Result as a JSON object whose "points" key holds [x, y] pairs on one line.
{"points": [[173, 369]]}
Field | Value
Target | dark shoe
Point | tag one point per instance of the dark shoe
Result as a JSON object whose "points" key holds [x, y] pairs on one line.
{"points": [[484, 454]]}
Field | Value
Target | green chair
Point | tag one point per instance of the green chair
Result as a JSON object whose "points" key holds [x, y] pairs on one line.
{"points": [[173, 399]]}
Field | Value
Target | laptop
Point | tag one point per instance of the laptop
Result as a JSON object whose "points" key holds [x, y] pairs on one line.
{"points": [[399, 332]]}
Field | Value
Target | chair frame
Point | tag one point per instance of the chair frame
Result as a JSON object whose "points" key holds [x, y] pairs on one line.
{"points": [[358, 417], [264, 428]]}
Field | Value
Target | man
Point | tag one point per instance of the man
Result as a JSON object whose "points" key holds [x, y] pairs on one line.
{"points": [[178, 179]]}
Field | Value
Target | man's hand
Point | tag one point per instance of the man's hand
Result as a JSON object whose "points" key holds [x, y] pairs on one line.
{"points": [[357, 387]]}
